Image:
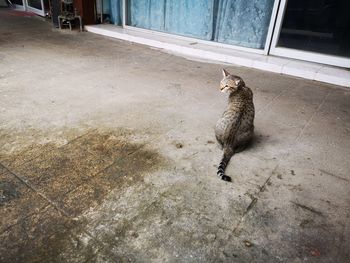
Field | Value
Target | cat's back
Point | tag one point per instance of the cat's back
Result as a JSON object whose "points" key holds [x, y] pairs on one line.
{"points": [[240, 101], [239, 108], [248, 99], [247, 107]]}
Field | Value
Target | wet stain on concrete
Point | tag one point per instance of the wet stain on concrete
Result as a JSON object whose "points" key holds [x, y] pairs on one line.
{"points": [[17, 200], [8, 191], [43, 195]]}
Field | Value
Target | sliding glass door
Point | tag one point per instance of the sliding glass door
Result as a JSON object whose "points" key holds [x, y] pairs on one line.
{"points": [[18, 4], [313, 30], [36, 6]]}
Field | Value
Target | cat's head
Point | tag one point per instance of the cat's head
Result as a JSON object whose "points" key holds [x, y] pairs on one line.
{"points": [[230, 83]]}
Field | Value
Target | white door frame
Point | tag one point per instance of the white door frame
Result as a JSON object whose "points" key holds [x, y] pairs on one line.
{"points": [[271, 27], [40, 12], [300, 54]]}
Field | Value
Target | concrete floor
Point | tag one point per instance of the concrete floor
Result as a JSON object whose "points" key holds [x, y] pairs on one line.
{"points": [[107, 154]]}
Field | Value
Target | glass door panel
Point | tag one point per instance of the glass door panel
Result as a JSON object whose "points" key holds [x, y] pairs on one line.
{"points": [[315, 30], [36, 6], [18, 4], [317, 26]]}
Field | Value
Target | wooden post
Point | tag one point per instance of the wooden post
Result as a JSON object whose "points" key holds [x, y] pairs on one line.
{"points": [[87, 10]]}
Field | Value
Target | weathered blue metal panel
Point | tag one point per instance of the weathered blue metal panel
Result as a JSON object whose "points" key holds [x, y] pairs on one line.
{"points": [[190, 18], [242, 22], [147, 14], [237, 22], [116, 11]]}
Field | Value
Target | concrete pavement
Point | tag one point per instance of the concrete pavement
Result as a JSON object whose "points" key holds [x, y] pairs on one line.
{"points": [[108, 154]]}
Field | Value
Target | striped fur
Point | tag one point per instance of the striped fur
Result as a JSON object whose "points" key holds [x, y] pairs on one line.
{"points": [[222, 168], [236, 126]]}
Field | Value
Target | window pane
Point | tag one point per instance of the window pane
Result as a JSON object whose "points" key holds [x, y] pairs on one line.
{"points": [[35, 4], [17, 2], [321, 26]]}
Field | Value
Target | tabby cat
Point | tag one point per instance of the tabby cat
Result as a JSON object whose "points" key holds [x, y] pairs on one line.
{"points": [[235, 128]]}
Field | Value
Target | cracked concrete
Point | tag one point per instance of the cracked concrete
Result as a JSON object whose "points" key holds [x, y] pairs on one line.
{"points": [[107, 155]]}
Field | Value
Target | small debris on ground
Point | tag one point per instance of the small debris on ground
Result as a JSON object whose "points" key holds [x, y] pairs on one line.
{"points": [[315, 252], [210, 142], [134, 235], [279, 176], [247, 243], [179, 145], [292, 172]]}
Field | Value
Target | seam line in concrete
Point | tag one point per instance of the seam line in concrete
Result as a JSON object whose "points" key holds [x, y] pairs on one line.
{"points": [[305, 207], [23, 218], [29, 185], [312, 116], [50, 202], [334, 175], [263, 109], [254, 201]]}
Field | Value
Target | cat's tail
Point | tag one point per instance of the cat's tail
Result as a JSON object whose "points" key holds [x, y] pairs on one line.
{"points": [[222, 167]]}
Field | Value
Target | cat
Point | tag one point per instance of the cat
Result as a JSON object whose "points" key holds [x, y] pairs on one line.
{"points": [[235, 129]]}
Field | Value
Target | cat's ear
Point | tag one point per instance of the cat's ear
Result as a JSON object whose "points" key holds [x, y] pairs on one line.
{"points": [[239, 82], [225, 73]]}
